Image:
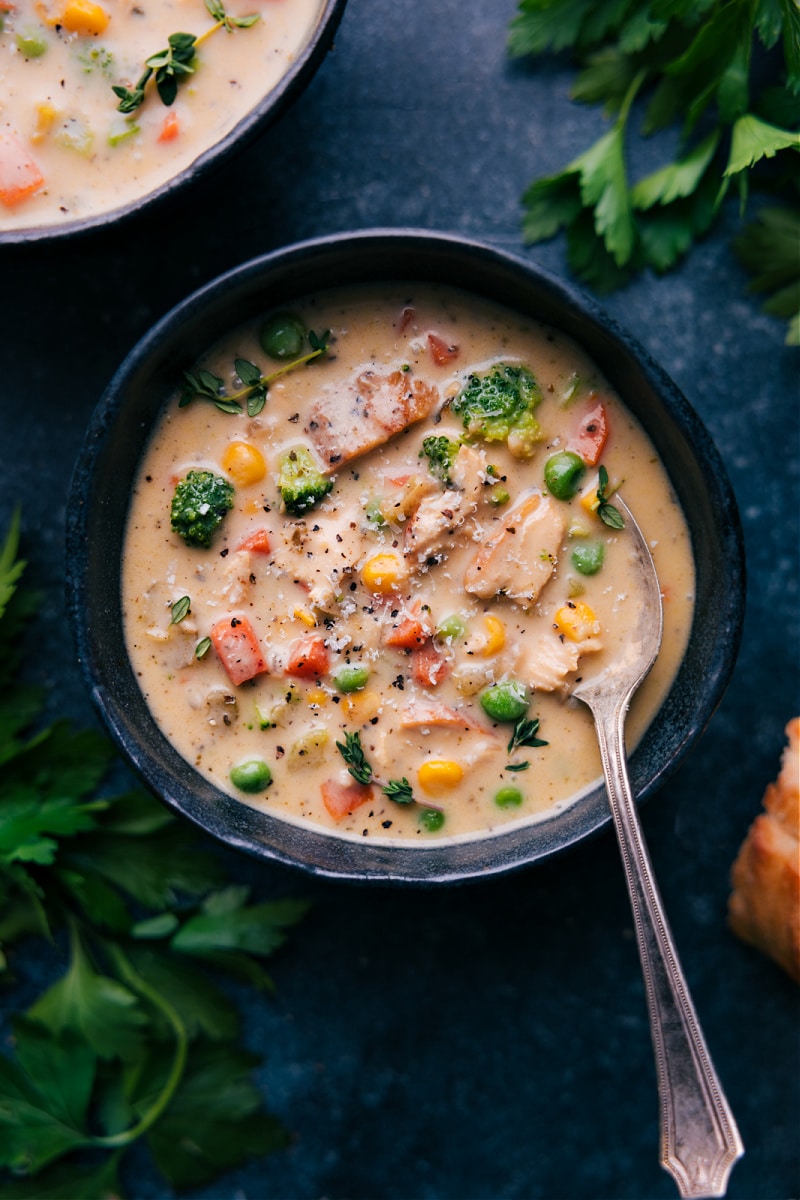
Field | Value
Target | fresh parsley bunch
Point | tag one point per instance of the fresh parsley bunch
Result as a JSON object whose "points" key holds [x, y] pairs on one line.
{"points": [[136, 1041], [728, 71]]}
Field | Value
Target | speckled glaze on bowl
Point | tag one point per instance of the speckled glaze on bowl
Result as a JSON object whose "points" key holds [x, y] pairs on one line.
{"points": [[118, 434], [260, 117]]}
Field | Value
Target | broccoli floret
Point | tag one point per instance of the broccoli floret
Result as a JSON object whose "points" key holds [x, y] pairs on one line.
{"points": [[499, 407], [199, 504], [300, 481], [440, 452]]}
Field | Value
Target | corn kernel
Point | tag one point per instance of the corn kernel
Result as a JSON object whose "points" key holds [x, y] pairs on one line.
{"points": [[46, 114], [439, 775], [495, 635], [577, 621], [83, 16], [383, 573], [244, 463], [307, 617], [317, 697]]}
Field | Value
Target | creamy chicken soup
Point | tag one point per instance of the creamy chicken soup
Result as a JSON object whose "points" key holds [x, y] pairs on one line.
{"points": [[71, 147], [359, 596]]}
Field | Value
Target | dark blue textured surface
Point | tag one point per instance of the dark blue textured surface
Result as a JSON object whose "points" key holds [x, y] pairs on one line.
{"points": [[487, 1042]]}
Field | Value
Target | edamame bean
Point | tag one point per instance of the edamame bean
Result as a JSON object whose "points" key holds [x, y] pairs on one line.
{"points": [[563, 473], [252, 775], [507, 701], [588, 557], [450, 628], [351, 678], [283, 336], [508, 797]]}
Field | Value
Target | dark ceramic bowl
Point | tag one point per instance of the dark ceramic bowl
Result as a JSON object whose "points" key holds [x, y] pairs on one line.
{"points": [[119, 432], [259, 118]]}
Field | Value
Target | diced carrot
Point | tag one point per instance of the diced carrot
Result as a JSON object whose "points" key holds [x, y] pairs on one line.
{"points": [[410, 631], [170, 128], [308, 657], [590, 437], [258, 542], [431, 712], [7, 6], [238, 649], [341, 799], [428, 665], [20, 176], [442, 352]]}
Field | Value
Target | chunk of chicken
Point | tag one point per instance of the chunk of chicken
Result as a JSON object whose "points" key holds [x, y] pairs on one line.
{"points": [[437, 517], [518, 559], [366, 414], [319, 553]]}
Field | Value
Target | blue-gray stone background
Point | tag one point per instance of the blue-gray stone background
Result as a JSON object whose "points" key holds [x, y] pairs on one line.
{"points": [[487, 1042]]}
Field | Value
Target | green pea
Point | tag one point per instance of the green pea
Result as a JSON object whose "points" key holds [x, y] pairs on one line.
{"points": [[351, 678], [450, 628], [563, 473], [508, 797], [499, 496], [252, 775], [506, 701], [588, 557], [31, 43], [283, 336], [431, 819]]}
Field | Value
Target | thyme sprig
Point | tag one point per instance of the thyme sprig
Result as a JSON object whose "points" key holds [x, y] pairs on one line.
{"points": [[399, 790], [169, 67], [525, 733], [205, 385]]}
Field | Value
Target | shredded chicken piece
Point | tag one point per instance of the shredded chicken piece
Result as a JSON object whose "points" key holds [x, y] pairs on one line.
{"points": [[367, 414], [318, 553], [545, 663], [519, 557], [437, 517]]}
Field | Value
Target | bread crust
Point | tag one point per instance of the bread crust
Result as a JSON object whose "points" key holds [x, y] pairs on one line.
{"points": [[764, 906]]}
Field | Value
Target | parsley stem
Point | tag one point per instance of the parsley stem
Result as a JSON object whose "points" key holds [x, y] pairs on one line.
{"points": [[127, 973]]}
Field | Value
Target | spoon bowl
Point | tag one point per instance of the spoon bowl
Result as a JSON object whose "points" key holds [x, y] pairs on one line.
{"points": [[699, 1139]]}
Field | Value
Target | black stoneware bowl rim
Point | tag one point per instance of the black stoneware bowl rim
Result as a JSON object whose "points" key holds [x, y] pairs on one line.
{"points": [[117, 434], [269, 108]]}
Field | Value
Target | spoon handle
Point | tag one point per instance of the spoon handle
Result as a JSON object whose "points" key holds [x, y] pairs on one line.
{"points": [[699, 1139]]}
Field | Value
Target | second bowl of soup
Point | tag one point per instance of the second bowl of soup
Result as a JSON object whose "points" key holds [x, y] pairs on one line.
{"points": [[369, 542]]}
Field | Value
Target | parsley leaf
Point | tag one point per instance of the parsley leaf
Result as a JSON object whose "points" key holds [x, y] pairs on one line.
{"points": [[136, 1041], [690, 65], [768, 249]]}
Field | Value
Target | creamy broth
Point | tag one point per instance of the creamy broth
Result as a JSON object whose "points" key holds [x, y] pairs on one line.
{"points": [[67, 153], [373, 579]]}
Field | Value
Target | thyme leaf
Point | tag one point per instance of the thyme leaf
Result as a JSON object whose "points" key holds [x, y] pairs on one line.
{"points": [[525, 734], [180, 610], [608, 513], [399, 790]]}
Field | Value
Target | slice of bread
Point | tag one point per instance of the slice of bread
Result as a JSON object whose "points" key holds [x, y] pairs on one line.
{"points": [[764, 906]]}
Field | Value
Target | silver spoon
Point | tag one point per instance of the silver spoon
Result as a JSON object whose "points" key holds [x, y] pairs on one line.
{"points": [[699, 1139]]}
